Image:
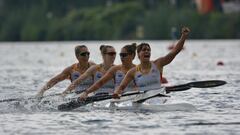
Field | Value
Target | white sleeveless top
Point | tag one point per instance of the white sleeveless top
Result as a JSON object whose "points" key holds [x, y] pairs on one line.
{"points": [[74, 74], [84, 84], [119, 75], [107, 87], [149, 81]]}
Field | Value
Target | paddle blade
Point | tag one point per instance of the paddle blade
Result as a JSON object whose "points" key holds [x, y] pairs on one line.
{"points": [[75, 103], [182, 87], [207, 84], [197, 84], [69, 105]]}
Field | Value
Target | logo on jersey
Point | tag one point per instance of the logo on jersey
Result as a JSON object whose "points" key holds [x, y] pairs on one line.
{"points": [[75, 75], [139, 76], [99, 75], [120, 75]]}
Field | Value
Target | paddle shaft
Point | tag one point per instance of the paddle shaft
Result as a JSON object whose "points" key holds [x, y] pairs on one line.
{"points": [[20, 99]]}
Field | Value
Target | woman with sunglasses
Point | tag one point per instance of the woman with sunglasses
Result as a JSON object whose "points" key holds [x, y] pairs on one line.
{"points": [[72, 72], [97, 71], [117, 72], [147, 73]]}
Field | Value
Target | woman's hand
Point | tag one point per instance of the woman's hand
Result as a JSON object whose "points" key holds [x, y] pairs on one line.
{"points": [[83, 96], [185, 31], [65, 93], [116, 94], [39, 94], [71, 87]]}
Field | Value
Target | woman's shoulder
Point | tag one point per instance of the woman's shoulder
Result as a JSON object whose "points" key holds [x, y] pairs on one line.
{"points": [[133, 70], [72, 67], [96, 67], [91, 63], [117, 67]]}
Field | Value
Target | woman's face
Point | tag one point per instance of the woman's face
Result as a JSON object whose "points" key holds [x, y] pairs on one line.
{"points": [[126, 57], [110, 55], [83, 56], [145, 54]]}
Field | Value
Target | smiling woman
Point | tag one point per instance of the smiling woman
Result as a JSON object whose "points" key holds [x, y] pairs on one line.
{"points": [[147, 73]]}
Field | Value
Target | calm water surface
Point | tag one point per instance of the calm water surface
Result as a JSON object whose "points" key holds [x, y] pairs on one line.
{"points": [[25, 67]]}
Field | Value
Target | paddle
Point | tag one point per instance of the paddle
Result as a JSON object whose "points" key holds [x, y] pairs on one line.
{"points": [[197, 84], [20, 99], [51, 95], [75, 103], [149, 97], [183, 87]]}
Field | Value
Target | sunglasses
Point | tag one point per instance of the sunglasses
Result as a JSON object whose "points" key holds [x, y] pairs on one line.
{"points": [[84, 54], [111, 53], [123, 55]]}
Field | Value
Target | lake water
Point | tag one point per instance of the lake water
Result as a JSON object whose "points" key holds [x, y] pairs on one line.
{"points": [[27, 66]]}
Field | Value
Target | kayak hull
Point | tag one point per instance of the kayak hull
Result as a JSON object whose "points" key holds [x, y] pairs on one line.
{"points": [[153, 105]]}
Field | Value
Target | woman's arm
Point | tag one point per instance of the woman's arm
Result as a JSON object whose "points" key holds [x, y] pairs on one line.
{"points": [[162, 61], [84, 76], [127, 79], [56, 79], [108, 76]]}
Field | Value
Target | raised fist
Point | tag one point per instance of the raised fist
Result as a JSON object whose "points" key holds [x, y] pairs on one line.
{"points": [[185, 31]]}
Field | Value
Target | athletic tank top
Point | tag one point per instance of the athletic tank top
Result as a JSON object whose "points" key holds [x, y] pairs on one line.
{"points": [[119, 75], [149, 81], [107, 87], [84, 84]]}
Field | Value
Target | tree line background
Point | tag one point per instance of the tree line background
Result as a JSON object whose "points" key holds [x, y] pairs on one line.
{"points": [[43, 20]]}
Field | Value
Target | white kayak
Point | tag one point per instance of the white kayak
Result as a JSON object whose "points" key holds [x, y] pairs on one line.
{"points": [[154, 104], [131, 106], [178, 106], [152, 100]]}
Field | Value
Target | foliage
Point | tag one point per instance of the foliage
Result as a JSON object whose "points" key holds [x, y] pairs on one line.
{"points": [[108, 20]]}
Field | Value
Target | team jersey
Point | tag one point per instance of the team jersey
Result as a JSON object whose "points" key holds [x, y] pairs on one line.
{"points": [[74, 74], [149, 81], [107, 87], [119, 75]]}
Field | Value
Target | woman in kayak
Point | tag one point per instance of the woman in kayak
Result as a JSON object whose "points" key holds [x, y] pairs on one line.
{"points": [[72, 72], [117, 72], [147, 73], [97, 71]]}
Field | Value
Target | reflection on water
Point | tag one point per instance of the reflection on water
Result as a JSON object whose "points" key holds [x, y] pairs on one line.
{"points": [[25, 67]]}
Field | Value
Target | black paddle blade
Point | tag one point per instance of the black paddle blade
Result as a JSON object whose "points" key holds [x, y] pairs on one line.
{"points": [[207, 84], [197, 84], [70, 105], [78, 103]]}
